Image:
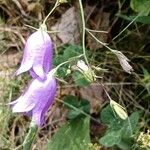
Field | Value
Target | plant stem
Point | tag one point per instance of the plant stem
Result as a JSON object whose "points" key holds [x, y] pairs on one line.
{"points": [[104, 44], [56, 4], [83, 31], [65, 62], [78, 110], [30, 136]]}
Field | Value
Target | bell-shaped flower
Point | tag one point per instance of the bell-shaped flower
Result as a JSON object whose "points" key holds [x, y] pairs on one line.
{"points": [[37, 57], [36, 100]]}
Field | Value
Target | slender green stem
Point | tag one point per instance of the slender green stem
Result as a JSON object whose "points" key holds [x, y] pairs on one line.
{"points": [[78, 110], [65, 62], [56, 5], [30, 27], [83, 31], [98, 31], [29, 139], [126, 26]]}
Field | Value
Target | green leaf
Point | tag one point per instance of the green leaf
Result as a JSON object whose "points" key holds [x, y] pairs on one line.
{"points": [[108, 117], [66, 53], [74, 135], [130, 125], [141, 6], [80, 79], [72, 51], [120, 129], [111, 138], [78, 107], [58, 59], [62, 71], [141, 19], [125, 144]]}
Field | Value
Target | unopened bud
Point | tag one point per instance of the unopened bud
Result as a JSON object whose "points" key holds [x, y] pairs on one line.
{"points": [[63, 1], [86, 71], [120, 111], [124, 61]]}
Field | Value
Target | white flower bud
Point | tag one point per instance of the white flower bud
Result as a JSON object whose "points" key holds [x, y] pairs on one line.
{"points": [[119, 110]]}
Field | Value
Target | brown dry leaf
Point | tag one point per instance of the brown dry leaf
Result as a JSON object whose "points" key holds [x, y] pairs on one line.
{"points": [[68, 27], [66, 90], [95, 95], [35, 7], [19, 6]]}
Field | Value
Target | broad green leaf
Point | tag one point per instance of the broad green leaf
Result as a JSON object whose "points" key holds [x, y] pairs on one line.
{"points": [[72, 51], [74, 135], [123, 129], [78, 107], [108, 117], [130, 125], [141, 6], [134, 118], [58, 59], [111, 138], [80, 79], [125, 144]]}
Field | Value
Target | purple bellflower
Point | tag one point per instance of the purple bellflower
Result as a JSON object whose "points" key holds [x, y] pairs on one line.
{"points": [[36, 100], [37, 57]]}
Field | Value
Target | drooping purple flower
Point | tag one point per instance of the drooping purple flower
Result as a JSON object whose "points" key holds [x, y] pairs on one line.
{"points": [[37, 57], [36, 100]]}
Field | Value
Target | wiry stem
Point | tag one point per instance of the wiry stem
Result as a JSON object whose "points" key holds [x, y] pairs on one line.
{"points": [[83, 31], [56, 5]]}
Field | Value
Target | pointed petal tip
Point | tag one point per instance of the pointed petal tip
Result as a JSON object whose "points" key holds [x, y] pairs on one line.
{"points": [[12, 103], [18, 72], [20, 107]]}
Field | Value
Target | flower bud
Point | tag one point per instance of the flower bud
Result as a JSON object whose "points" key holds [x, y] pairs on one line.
{"points": [[123, 61], [63, 1], [120, 111], [86, 71]]}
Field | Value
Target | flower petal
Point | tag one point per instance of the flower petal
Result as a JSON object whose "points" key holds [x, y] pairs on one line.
{"points": [[37, 98], [48, 58], [38, 69], [37, 55], [12, 103], [24, 67], [23, 106]]}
